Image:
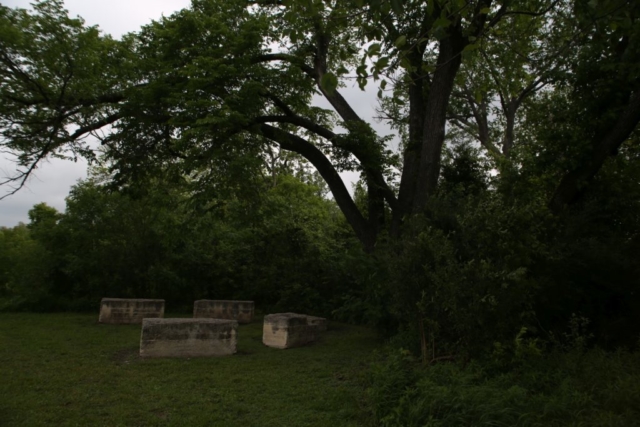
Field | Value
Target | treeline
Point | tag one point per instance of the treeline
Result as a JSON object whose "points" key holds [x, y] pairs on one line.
{"points": [[477, 269], [287, 248]]}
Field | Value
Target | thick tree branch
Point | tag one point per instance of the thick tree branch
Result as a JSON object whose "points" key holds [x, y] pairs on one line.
{"points": [[290, 142], [95, 126], [338, 102], [299, 121], [337, 141], [292, 59], [280, 104], [479, 112], [479, 20]]}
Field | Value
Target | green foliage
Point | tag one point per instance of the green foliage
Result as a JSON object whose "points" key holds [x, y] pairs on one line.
{"points": [[67, 65], [329, 82], [283, 249], [464, 273], [24, 269], [555, 389], [591, 269], [489, 259], [293, 250], [463, 172], [126, 231]]}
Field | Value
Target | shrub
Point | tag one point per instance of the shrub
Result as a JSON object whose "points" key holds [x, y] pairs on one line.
{"points": [[572, 388]]}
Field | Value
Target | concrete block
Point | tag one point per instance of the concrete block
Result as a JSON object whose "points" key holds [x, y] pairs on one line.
{"points": [[320, 323], [188, 337], [286, 330], [242, 311], [128, 311]]}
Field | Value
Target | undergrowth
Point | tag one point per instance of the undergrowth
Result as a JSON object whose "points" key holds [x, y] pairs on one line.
{"points": [[558, 388]]}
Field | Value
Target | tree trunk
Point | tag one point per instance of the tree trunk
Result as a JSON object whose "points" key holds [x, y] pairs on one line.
{"points": [[449, 60], [411, 160]]}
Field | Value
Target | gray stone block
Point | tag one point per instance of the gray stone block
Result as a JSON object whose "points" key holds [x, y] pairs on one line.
{"points": [[128, 311], [286, 330], [320, 323], [188, 337], [242, 311]]}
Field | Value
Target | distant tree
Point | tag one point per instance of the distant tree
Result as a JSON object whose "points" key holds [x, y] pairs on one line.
{"points": [[25, 272]]}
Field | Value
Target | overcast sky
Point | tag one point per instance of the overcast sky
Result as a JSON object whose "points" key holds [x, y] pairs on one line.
{"points": [[54, 178]]}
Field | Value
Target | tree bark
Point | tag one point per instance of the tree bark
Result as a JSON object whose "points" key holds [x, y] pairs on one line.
{"points": [[449, 60], [411, 159]]}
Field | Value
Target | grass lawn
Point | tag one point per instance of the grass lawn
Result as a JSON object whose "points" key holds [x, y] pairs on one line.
{"points": [[69, 370]]}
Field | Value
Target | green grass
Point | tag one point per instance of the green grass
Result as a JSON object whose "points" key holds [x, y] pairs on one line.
{"points": [[68, 370]]}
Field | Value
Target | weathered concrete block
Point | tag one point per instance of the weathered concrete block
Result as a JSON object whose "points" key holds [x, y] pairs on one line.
{"points": [[320, 323], [188, 337], [126, 311], [242, 311], [286, 330]]}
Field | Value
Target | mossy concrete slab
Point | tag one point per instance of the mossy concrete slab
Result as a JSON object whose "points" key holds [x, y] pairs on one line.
{"points": [[128, 311], [188, 337]]}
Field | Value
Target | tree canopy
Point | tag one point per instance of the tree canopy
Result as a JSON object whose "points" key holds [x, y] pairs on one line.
{"points": [[207, 92]]}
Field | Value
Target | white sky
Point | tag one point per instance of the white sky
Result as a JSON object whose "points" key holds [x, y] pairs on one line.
{"points": [[54, 178]]}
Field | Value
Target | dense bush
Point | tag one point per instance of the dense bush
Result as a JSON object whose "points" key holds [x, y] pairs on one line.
{"points": [[462, 277], [480, 265], [282, 249], [555, 389], [24, 269]]}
